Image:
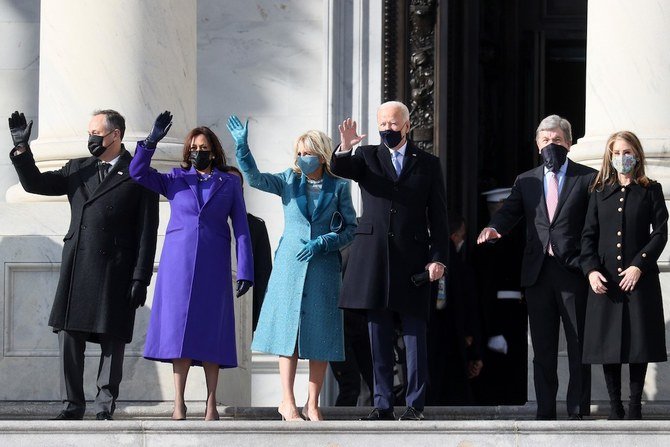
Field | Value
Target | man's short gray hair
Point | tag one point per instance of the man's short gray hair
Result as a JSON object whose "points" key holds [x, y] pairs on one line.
{"points": [[553, 122], [403, 108]]}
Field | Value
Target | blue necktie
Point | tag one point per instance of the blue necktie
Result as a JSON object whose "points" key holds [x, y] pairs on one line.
{"points": [[396, 162]]}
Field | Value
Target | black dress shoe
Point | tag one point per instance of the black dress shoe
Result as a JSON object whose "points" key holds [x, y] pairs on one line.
{"points": [[575, 417], [67, 416], [104, 416], [411, 414], [379, 415]]}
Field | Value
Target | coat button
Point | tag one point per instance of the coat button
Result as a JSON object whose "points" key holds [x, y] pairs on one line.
{"points": [[623, 189], [391, 234], [618, 245], [619, 209], [110, 207], [83, 227], [644, 255], [619, 270], [618, 233], [618, 258], [621, 199], [103, 252], [393, 211]]}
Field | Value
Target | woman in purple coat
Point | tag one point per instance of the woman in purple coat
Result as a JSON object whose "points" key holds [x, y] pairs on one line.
{"points": [[192, 320]]}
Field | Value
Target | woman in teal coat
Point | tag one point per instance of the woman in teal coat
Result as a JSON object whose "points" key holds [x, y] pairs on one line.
{"points": [[299, 317]]}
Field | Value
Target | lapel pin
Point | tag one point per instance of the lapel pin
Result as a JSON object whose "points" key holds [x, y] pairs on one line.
{"points": [[120, 173]]}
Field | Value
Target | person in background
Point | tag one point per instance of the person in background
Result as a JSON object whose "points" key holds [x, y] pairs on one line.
{"points": [[625, 232], [192, 317], [300, 317], [453, 328], [108, 255], [553, 198], [504, 381], [260, 246]]}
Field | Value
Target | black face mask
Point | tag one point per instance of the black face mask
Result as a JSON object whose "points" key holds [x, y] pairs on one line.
{"points": [[554, 156], [391, 138], [95, 146], [201, 159]]}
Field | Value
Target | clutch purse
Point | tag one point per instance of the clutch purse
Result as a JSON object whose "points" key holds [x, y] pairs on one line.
{"points": [[336, 222]]}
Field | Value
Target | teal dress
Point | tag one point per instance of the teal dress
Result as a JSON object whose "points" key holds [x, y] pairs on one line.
{"points": [[300, 312]]}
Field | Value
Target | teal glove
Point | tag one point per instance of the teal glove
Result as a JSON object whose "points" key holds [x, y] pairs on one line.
{"points": [[238, 131], [311, 248]]}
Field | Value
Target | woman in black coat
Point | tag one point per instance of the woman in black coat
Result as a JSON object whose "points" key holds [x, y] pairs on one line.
{"points": [[624, 234]]}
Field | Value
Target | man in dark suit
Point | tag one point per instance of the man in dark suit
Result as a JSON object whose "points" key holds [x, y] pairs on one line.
{"points": [[108, 255], [553, 198], [402, 234]]}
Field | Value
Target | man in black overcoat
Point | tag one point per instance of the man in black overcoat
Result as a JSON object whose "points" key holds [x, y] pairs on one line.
{"points": [[108, 255], [403, 200], [553, 198]]}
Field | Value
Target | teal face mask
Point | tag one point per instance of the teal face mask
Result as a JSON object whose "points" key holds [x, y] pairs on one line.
{"points": [[308, 163]]}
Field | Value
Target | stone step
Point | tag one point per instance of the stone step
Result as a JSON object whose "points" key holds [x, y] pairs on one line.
{"points": [[429, 433], [24, 410]]}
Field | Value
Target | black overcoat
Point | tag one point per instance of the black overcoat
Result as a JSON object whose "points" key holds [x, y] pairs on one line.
{"points": [[403, 228], [111, 241], [625, 226]]}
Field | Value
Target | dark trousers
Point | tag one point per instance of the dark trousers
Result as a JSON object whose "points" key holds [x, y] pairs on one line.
{"points": [[558, 295], [381, 326], [110, 370], [357, 361]]}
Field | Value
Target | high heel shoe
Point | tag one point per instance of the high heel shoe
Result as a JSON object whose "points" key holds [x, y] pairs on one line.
{"points": [[305, 414], [290, 416], [180, 418]]}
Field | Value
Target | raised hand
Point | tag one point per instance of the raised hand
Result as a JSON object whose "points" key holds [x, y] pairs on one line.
{"points": [[242, 287], [238, 131], [349, 135], [161, 126], [19, 129]]}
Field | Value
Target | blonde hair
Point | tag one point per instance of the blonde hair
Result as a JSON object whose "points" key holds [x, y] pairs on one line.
{"points": [[318, 143], [608, 175]]}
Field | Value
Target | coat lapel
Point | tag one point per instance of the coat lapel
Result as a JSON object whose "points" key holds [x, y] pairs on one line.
{"points": [[326, 196], [191, 179], [88, 173], [219, 180], [539, 174], [301, 196], [384, 157], [116, 175], [409, 160], [568, 183]]}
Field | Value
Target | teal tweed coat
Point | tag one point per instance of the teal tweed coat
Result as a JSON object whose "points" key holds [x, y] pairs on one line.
{"points": [[300, 310]]}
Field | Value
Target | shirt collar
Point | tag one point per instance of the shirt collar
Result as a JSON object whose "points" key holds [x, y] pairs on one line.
{"points": [[114, 161], [402, 149]]}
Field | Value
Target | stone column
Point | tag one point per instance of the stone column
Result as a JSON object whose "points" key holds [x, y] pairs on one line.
{"points": [[135, 56], [628, 88], [19, 63]]}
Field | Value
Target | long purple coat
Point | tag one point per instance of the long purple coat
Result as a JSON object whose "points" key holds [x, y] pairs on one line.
{"points": [[192, 314]]}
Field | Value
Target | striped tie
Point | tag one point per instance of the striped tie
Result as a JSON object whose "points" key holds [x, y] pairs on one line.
{"points": [[552, 200]]}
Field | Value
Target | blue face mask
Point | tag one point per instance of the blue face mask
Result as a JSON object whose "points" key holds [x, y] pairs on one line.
{"points": [[308, 163]]}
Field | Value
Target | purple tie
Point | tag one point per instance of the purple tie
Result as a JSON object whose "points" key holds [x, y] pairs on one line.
{"points": [[552, 200]]}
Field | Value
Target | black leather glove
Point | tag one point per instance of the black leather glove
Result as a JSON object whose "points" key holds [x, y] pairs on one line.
{"points": [[161, 126], [242, 287], [137, 295], [19, 129]]}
